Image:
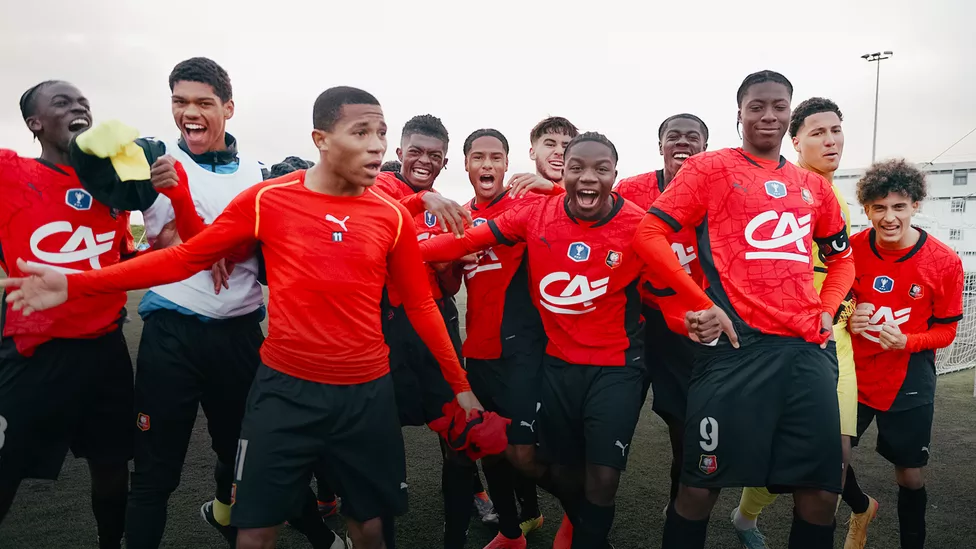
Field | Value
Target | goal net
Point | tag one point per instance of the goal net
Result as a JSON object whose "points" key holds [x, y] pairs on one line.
{"points": [[962, 353]]}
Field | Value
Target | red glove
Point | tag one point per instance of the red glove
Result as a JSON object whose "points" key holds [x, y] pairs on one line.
{"points": [[483, 434]]}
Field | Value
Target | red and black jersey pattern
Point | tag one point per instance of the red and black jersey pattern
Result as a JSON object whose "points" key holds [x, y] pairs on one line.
{"points": [[755, 224], [500, 319], [48, 218], [913, 289], [583, 277]]}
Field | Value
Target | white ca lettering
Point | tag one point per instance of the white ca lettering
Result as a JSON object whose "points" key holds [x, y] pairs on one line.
{"points": [[798, 231], [709, 434], [883, 316], [487, 262], [579, 291], [72, 251], [685, 255]]}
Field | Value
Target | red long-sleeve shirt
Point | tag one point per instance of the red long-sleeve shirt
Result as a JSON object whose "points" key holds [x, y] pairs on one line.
{"points": [[327, 259]]}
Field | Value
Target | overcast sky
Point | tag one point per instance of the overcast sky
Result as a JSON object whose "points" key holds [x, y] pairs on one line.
{"points": [[607, 65]]}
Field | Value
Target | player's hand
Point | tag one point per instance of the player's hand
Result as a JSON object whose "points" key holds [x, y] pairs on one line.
{"points": [[706, 326], [451, 215], [891, 338], [163, 174], [828, 324], [220, 273], [861, 318], [523, 183], [42, 288], [469, 402], [470, 259]]}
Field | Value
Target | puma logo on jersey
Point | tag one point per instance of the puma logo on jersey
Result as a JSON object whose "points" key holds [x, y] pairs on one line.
{"points": [[789, 232], [685, 255], [531, 426], [579, 293], [341, 223], [83, 244], [623, 448], [885, 315]]}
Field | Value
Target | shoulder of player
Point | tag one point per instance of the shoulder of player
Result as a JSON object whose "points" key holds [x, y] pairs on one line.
{"points": [[861, 237], [630, 209], [7, 155], [635, 182], [934, 247]]}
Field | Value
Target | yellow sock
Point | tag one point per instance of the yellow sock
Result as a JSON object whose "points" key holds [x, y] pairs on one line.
{"points": [[221, 512], [753, 501]]}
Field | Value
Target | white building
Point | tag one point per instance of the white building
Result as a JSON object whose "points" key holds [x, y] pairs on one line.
{"points": [[948, 213]]}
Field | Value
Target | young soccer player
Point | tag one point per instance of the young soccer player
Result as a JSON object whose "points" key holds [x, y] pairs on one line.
{"points": [[909, 302], [65, 375], [198, 347], [304, 408], [547, 148], [505, 338], [775, 363], [669, 368], [583, 272], [818, 138]]}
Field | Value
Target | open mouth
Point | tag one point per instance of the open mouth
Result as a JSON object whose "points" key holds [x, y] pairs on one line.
{"points": [[680, 156], [374, 167], [486, 181], [587, 198], [78, 124], [420, 173], [194, 131], [555, 164]]}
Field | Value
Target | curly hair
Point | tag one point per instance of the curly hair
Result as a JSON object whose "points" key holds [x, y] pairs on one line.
{"points": [[891, 176], [425, 124], [204, 71], [484, 132], [553, 124], [596, 137], [391, 166], [810, 107]]}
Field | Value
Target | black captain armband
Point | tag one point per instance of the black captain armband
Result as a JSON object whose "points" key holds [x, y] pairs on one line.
{"points": [[837, 245]]}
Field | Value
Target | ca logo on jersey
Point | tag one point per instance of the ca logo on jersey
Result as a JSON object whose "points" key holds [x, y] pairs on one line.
{"points": [[578, 251], [684, 254], [885, 315], [775, 189], [487, 261], [577, 296], [83, 244], [883, 284], [790, 232], [78, 199], [430, 219]]}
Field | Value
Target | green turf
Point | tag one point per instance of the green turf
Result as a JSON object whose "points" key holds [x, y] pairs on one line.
{"points": [[57, 515]]}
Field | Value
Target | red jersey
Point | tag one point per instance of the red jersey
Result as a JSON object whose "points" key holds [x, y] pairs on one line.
{"points": [[915, 289], [327, 261], [756, 221], [582, 274], [48, 218], [425, 223], [500, 318]]}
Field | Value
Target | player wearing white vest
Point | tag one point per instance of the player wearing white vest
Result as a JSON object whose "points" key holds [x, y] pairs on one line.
{"points": [[201, 336]]}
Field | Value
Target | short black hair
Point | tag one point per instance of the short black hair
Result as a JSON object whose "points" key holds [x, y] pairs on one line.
{"points": [[688, 116], [810, 107], [290, 164], [759, 78], [204, 71], [328, 105], [891, 176], [391, 166], [425, 124], [553, 124], [484, 132], [28, 101], [593, 136]]}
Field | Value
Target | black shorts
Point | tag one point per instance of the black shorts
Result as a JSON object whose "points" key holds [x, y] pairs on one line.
{"points": [[73, 393], [510, 387], [669, 358], [421, 390], [291, 425], [903, 436], [764, 415], [588, 413]]}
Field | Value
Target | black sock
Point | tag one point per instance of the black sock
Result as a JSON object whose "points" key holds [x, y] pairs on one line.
{"points": [[567, 498], [325, 493], [224, 477], [389, 531], [594, 525], [856, 499], [311, 525], [911, 517], [109, 495], [804, 535], [527, 497], [681, 533], [501, 481], [456, 487], [476, 486]]}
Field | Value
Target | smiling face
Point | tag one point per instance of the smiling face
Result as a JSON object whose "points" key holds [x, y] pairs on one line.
{"points": [[765, 117], [891, 218], [820, 142], [60, 112], [353, 149], [201, 116], [486, 164], [590, 173], [548, 154], [682, 138], [423, 158]]}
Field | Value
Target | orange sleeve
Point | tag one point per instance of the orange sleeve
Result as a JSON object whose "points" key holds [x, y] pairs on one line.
{"points": [[188, 223], [414, 203], [837, 284], [938, 336], [651, 244], [448, 247], [409, 279], [234, 228]]}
